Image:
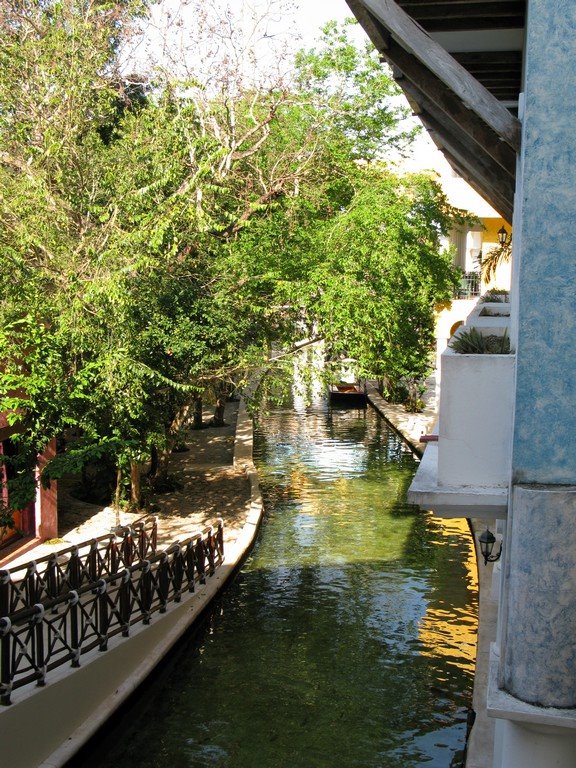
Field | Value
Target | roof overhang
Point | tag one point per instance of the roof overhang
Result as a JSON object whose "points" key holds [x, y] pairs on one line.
{"points": [[459, 63]]}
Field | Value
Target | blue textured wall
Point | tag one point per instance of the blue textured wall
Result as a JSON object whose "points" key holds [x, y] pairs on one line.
{"points": [[544, 449], [539, 662]]}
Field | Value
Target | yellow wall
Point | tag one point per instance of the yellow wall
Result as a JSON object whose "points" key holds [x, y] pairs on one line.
{"points": [[490, 240]]}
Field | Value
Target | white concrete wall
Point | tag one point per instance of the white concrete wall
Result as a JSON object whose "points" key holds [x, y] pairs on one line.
{"points": [[475, 422]]}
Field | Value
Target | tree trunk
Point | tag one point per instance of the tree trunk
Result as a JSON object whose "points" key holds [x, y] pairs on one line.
{"points": [[197, 417], [135, 487], [153, 461], [117, 495], [160, 458], [178, 421], [218, 418], [162, 465]]}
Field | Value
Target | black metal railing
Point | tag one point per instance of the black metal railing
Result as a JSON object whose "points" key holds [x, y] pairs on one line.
{"points": [[59, 630], [53, 575], [470, 285]]}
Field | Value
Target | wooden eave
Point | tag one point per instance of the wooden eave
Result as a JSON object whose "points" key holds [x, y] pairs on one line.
{"points": [[456, 15], [466, 98]]}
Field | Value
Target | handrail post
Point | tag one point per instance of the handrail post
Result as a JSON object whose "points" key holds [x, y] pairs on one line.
{"points": [[189, 559], [177, 573], [50, 574], [101, 590], [127, 548], [74, 609], [5, 590], [142, 541], [210, 546], [31, 583], [146, 590], [93, 561], [154, 535], [124, 600], [38, 651], [220, 540], [200, 562], [114, 556], [5, 660], [163, 581], [74, 569]]}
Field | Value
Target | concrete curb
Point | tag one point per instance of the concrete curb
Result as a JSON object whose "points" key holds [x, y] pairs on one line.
{"points": [[410, 426], [75, 703]]}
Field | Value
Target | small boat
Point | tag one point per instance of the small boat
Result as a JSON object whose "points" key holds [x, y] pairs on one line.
{"points": [[348, 395]]}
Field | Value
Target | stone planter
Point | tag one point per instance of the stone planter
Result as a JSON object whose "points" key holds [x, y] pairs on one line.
{"points": [[475, 418], [489, 315]]}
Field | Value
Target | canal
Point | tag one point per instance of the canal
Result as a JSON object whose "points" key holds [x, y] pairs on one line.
{"points": [[347, 639]]}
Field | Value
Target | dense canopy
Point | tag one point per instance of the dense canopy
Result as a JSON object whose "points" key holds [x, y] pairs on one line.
{"points": [[165, 238]]}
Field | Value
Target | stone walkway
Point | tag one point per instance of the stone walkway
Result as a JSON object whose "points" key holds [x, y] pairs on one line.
{"points": [[210, 487], [411, 426], [215, 481]]}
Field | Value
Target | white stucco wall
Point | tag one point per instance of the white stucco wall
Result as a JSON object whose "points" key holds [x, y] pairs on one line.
{"points": [[475, 423]]}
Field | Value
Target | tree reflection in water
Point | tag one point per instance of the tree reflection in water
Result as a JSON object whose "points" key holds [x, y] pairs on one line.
{"points": [[347, 640]]}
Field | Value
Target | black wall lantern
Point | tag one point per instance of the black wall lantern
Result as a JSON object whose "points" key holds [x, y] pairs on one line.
{"points": [[503, 237], [487, 541]]}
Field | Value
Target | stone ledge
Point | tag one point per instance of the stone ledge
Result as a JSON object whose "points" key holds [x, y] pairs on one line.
{"points": [[454, 501], [504, 706]]}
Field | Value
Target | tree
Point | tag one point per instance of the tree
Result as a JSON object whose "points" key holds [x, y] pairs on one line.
{"points": [[384, 270], [165, 236], [354, 257], [57, 89]]}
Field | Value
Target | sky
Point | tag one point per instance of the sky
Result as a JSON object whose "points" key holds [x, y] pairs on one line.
{"points": [[313, 14], [301, 26], [180, 35]]}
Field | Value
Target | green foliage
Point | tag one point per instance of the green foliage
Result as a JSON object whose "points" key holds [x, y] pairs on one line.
{"points": [[381, 273], [162, 239], [472, 342], [354, 90]]}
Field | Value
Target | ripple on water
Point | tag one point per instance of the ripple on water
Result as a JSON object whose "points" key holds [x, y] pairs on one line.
{"points": [[348, 638]]}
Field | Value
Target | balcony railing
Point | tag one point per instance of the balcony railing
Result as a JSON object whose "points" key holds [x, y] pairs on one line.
{"points": [[470, 285], [60, 629]]}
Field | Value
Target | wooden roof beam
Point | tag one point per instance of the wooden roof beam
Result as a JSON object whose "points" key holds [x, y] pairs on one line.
{"points": [[476, 171], [414, 40], [451, 108], [478, 163], [444, 125]]}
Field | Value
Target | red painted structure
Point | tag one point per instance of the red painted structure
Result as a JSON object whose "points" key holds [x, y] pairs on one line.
{"points": [[39, 520]]}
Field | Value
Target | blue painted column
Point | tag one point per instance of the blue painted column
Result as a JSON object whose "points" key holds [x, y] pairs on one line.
{"points": [[544, 436], [539, 593]]}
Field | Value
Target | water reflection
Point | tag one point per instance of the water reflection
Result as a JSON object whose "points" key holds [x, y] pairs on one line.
{"points": [[347, 640]]}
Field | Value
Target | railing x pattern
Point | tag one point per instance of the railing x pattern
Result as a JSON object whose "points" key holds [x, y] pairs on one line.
{"points": [[59, 630], [56, 574]]}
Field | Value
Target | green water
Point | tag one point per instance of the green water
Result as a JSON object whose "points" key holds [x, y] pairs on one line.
{"points": [[347, 640]]}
